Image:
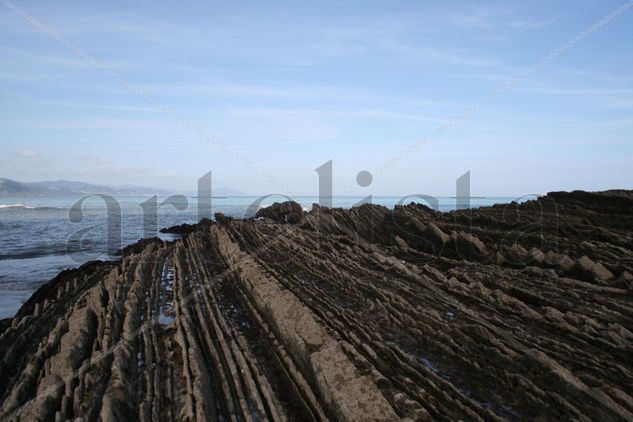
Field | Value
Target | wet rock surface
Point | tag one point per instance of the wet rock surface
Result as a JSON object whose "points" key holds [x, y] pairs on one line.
{"points": [[508, 312]]}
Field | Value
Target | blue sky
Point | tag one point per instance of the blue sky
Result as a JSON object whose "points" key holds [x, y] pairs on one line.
{"points": [[290, 85]]}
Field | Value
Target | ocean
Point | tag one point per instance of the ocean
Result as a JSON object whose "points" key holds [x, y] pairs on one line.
{"points": [[39, 237]]}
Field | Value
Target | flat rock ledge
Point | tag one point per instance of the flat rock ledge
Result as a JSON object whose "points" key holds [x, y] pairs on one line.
{"points": [[511, 312]]}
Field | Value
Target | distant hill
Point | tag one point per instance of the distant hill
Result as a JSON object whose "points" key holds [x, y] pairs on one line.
{"points": [[10, 187]]}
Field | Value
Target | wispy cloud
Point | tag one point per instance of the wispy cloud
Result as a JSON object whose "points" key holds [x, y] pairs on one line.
{"points": [[84, 105], [533, 24], [31, 155], [444, 55], [99, 124], [335, 114], [91, 166], [500, 18], [579, 91]]}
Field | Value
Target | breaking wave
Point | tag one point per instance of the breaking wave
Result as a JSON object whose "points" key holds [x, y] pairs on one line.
{"points": [[26, 207]]}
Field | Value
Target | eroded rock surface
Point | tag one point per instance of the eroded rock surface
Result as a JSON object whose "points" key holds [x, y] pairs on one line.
{"points": [[508, 312]]}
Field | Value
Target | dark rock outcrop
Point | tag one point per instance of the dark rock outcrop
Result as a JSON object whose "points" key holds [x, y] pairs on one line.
{"points": [[184, 229], [282, 212], [518, 311]]}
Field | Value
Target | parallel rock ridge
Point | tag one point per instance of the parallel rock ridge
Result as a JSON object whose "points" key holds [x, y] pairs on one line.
{"points": [[517, 311]]}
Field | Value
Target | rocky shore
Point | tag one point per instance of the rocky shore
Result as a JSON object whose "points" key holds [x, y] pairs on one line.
{"points": [[510, 312]]}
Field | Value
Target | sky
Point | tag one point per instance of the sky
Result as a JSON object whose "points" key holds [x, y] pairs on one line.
{"points": [[263, 93]]}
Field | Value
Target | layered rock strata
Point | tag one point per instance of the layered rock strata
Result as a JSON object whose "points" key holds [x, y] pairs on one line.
{"points": [[509, 312]]}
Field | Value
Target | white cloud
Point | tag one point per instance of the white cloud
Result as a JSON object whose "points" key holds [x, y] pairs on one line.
{"points": [[499, 19], [28, 153], [32, 156], [99, 167], [579, 91], [526, 24], [452, 57], [284, 113]]}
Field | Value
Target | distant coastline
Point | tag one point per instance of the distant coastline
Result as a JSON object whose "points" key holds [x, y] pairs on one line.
{"points": [[68, 188]]}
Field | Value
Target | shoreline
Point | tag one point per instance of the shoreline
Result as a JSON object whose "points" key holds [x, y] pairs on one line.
{"points": [[19, 297], [182, 229], [495, 312]]}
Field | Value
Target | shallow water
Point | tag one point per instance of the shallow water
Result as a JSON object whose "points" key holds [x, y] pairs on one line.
{"points": [[38, 238]]}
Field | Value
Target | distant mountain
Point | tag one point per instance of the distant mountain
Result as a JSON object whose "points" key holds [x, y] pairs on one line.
{"points": [[10, 187]]}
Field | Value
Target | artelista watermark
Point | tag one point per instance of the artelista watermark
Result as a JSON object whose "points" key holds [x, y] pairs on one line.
{"points": [[513, 224]]}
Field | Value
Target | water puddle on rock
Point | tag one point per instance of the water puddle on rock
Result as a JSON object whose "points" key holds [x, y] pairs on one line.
{"points": [[166, 294]]}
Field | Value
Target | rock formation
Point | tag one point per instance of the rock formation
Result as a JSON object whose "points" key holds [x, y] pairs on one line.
{"points": [[517, 311]]}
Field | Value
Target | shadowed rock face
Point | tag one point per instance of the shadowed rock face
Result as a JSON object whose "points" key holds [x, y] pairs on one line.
{"points": [[285, 212], [507, 312]]}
